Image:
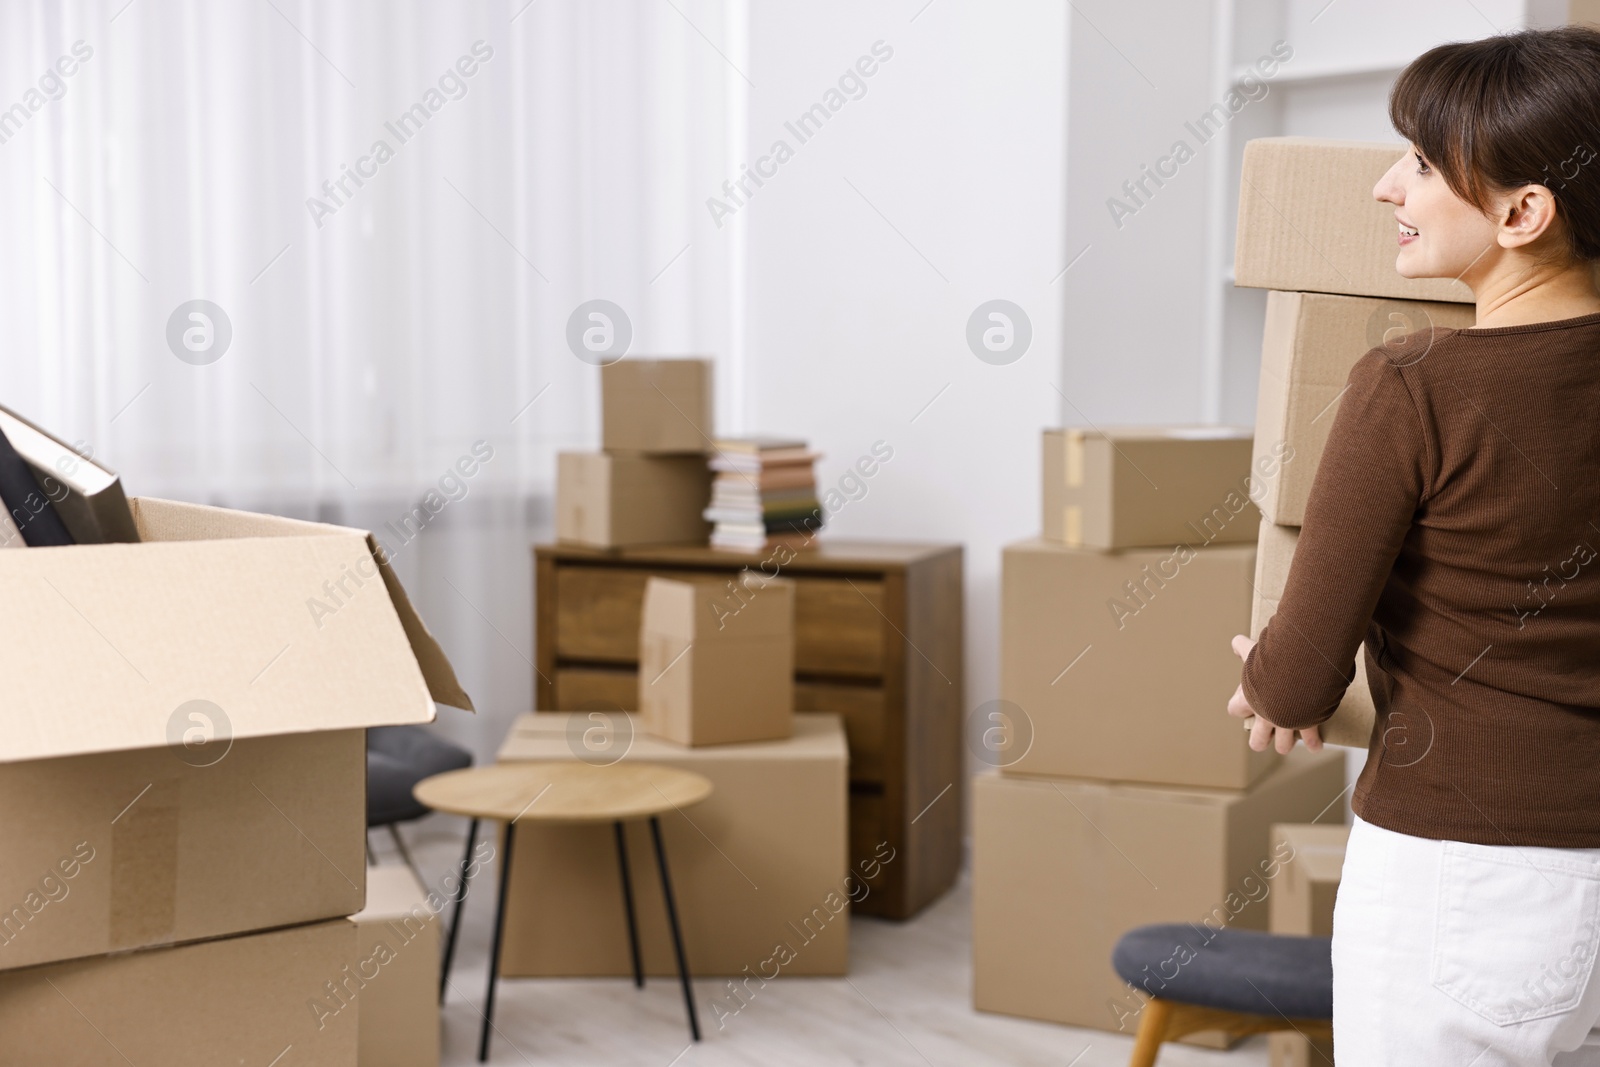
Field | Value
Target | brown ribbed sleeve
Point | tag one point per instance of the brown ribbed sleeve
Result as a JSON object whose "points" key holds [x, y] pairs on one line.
{"points": [[1371, 479]]}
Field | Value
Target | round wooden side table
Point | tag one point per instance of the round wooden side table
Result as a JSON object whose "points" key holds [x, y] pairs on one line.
{"points": [[510, 793]]}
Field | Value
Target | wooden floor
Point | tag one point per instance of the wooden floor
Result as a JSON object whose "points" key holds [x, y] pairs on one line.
{"points": [[907, 1000]]}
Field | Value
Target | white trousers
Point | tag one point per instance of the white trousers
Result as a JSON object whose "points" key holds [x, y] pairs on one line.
{"points": [[1460, 955]]}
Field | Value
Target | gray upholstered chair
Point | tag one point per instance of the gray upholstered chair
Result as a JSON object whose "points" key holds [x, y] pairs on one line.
{"points": [[1238, 981], [398, 757]]}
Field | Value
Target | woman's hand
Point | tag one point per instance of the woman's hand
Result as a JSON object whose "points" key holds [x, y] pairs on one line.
{"points": [[1262, 732]]}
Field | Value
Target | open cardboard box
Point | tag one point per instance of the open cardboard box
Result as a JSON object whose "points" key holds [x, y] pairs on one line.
{"points": [[118, 834]]}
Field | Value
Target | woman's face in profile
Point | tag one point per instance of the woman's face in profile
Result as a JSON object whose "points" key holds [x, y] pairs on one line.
{"points": [[1439, 235]]}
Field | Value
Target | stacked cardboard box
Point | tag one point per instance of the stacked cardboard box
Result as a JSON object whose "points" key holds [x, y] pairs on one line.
{"points": [[715, 667], [399, 931], [1062, 867], [1310, 231], [760, 870], [649, 483], [1121, 626], [183, 772], [1302, 903], [1126, 794]]}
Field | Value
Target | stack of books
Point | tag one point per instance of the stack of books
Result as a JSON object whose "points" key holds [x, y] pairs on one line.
{"points": [[764, 491], [51, 495]]}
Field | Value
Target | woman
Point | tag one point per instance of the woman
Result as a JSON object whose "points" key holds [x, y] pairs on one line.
{"points": [[1453, 529]]}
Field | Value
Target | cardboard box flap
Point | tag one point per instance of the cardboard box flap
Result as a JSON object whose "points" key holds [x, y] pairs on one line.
{"points": [[109, 646], [170, 520]]}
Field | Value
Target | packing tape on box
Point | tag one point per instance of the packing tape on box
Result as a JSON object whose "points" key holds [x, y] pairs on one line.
{"points": [[144, 867], [1072, 525], [1072, 441]]}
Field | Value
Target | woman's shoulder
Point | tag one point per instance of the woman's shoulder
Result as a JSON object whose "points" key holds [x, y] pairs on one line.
{"points": [[1436, 356], [1411, 350]]}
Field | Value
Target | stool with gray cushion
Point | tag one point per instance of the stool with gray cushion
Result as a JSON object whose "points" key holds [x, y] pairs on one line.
{"points": [[398, 757], [1239, 981]]}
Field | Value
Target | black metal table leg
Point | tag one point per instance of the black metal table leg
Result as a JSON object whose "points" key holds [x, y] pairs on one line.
{"points": [[627, 903], [455, 919], [672, 921], [499, 931]]}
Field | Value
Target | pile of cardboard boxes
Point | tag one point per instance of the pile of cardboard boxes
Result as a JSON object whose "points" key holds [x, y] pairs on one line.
{"points": [[649, 483], [1302, 903], [1126, 795], [1311, 233], [182, 771], [759, 869], [1114, 640]]}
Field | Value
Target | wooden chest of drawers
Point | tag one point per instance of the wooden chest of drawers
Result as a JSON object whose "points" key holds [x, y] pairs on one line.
{"points": [[878, 641]]}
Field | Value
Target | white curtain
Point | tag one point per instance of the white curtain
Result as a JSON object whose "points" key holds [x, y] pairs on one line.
{"points": [[376, 336]]}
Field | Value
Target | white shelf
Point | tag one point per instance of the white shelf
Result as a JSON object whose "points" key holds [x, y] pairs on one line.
{"points": [[1289, 75]]}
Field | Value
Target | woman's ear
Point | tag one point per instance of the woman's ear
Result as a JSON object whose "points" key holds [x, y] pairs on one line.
{"points": [[1526, 214]]}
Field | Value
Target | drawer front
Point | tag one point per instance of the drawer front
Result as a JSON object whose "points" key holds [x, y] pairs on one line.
{"points": [[862, 709], [837, 622], [597, 612], [866, 837], [586, 689], [838, 626]]}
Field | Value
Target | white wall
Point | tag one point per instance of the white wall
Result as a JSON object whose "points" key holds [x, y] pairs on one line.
{"points": [[938, 190]]}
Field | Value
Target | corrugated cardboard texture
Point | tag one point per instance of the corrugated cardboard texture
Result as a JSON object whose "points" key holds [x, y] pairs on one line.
{"points": [[749, 866], [284, 634], [1274, 553], [1063, 867], [1303, 900], [1310, 343], [614, 500], [1121, 662], [1352, 723], [716, 663], [1308, 222], [167, 520], [399, 1008], [240, 1000], [1302, 903], [131, 849], [144, 868], [656, 405], [1133, 487]]}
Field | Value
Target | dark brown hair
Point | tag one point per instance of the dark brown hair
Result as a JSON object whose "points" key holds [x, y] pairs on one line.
{"points": [[1511, 110]]}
